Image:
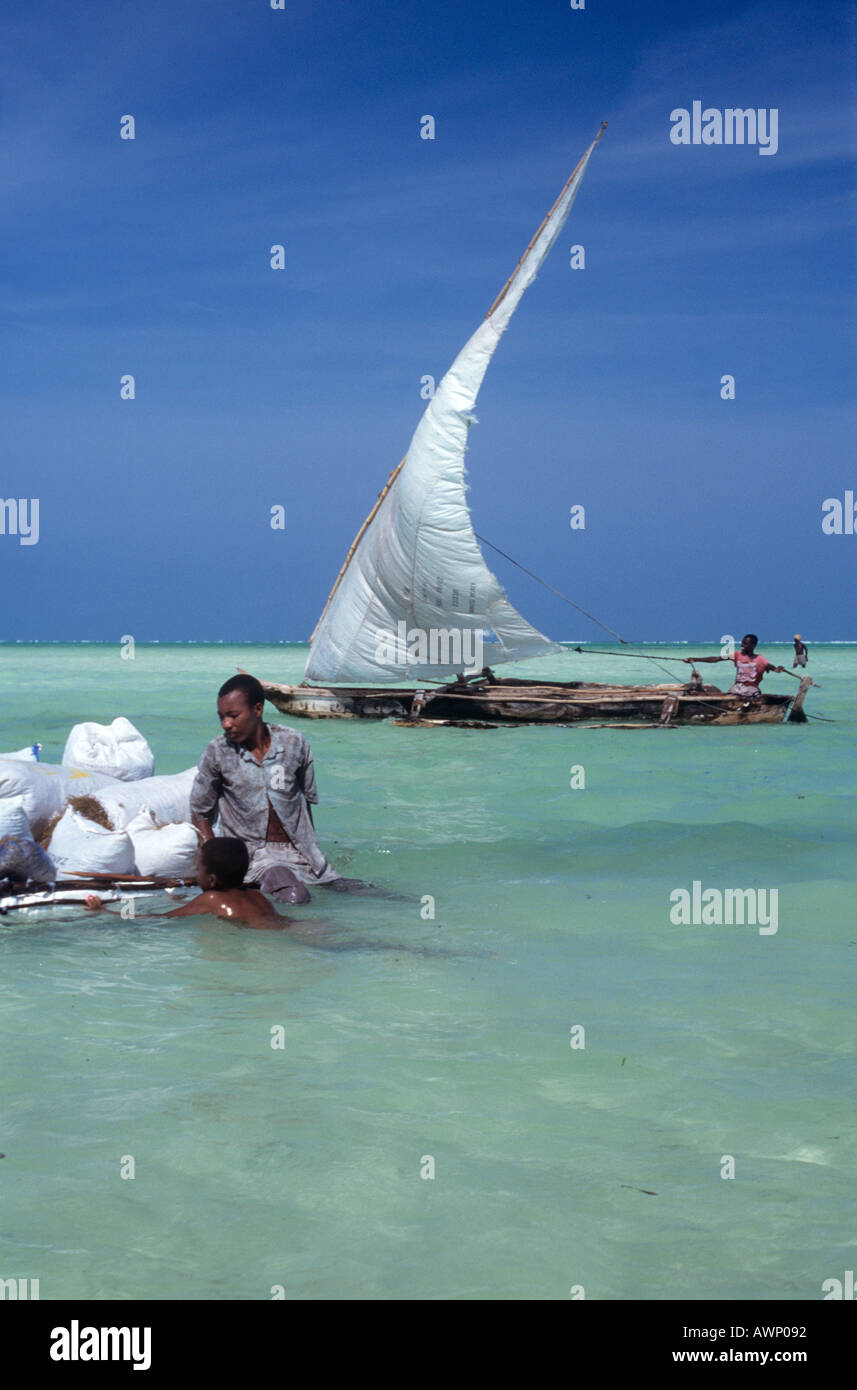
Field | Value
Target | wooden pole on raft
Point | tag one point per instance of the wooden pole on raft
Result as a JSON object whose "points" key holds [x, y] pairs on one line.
{"points": [[83, 877]]}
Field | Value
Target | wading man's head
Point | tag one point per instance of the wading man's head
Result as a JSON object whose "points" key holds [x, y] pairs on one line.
{"points": [[240, 702]]}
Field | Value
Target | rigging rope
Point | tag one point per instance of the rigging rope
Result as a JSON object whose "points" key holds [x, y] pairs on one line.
{"points": [[642, 656], [544, 583]]}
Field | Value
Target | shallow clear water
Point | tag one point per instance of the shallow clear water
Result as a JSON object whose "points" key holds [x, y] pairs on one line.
{"points": [[406, 1037]]}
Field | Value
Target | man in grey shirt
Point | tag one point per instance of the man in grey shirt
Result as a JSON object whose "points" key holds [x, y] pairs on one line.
{"points": [[259, 778]]}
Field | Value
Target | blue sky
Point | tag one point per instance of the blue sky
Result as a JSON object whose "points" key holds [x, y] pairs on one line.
{"points": [[301, 387]]}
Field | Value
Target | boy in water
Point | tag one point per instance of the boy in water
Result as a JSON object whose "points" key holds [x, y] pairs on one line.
{"points": [[801, 651], [220, 868]]}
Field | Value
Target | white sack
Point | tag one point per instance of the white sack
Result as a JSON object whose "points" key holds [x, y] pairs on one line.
{"points": [[13, 818], [80, 844], [169, 850], [117, 750], [168, 798], [46, 787], [21, 859]]}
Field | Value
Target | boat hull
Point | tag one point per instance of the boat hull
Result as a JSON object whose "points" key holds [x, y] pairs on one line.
{"points": [[536, 702]]}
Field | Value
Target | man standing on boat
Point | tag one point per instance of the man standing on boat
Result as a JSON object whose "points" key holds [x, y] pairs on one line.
{"points": [[750, 667], [260, 779]]}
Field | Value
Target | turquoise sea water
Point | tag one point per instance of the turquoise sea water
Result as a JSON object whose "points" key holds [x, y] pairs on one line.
{"points": [[407, 1037]]}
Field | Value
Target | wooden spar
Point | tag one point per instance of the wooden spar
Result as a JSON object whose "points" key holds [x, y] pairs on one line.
{"points": [[546, 219], [357, 539], [575, 697]]}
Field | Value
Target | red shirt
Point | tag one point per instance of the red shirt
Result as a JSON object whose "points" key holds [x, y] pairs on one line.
{"points": [[749, 670]]}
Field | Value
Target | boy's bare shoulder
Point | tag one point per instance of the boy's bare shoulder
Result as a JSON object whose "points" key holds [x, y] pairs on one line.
{"points": [[253, 909], [232, 904], [203, 902], [259, 902]]}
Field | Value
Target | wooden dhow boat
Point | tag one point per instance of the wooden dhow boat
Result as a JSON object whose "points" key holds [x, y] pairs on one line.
{"points": [[488, 701], [415, 600]]}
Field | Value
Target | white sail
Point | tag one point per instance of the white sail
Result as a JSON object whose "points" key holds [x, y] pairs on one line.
{"points": [[416, 597]]}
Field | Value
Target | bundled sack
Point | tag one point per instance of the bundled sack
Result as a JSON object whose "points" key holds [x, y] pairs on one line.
{"points": [[166, 851], [116, 750], [23, 861], [79, 845], [168, 798], [13, 817], [46, 787]]}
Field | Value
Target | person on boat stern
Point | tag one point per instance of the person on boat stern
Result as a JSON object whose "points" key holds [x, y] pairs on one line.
{"points": [[260, 778], [801, 652], [750, 667]]}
